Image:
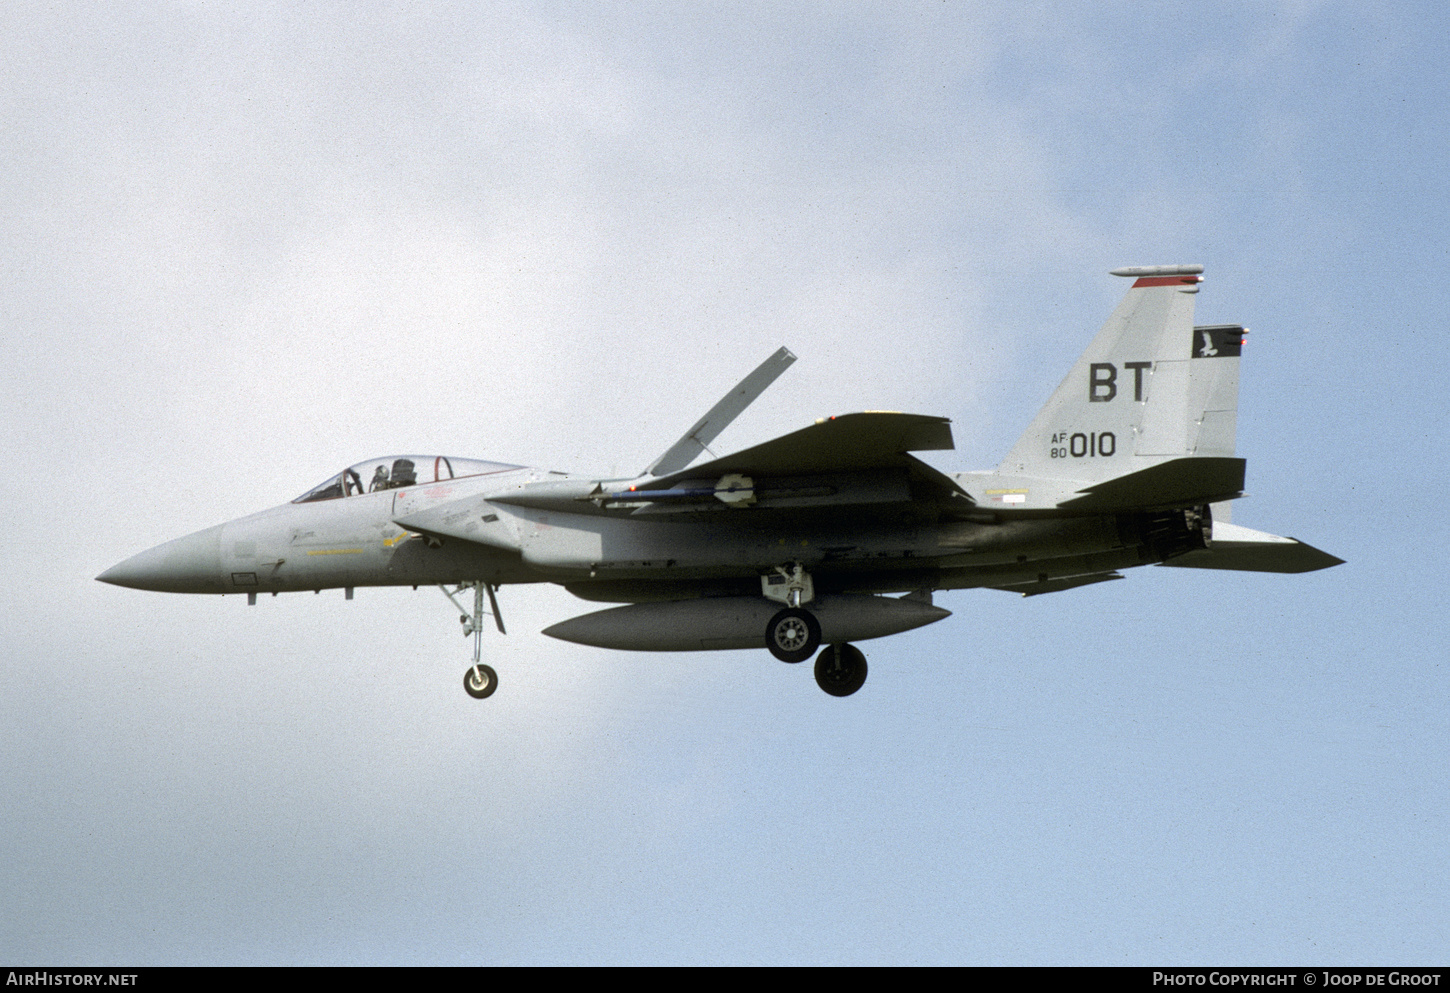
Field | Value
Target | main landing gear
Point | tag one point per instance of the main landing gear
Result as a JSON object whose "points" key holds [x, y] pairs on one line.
{"points": [[841, 669], [480, 681], [794, 634]]}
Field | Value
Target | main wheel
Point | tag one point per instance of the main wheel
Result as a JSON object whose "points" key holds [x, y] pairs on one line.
{"points": [[841, 669], [793, 635], [480, 682]]}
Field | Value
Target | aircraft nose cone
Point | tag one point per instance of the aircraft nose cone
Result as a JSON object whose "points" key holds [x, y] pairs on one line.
{"points": [[186, 565]]}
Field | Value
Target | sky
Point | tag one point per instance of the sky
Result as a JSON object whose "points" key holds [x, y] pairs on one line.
{"points": [[248, 245]]}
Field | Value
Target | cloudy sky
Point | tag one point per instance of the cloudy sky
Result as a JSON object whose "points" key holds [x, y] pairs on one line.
{"points": [[246, 245]]}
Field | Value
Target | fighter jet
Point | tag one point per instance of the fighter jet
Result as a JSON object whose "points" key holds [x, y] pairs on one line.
{"points": [[827, 536]]}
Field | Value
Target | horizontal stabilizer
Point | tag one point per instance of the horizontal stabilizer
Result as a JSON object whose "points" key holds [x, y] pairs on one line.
{"points": [[1179, 483], [1246, 550], [1058, 585]]}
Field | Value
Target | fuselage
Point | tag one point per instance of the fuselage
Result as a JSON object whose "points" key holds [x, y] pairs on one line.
{"points": [[492, 526]]}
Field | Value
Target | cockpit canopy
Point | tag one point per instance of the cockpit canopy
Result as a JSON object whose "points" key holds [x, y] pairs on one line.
{"points": [[398, 471]]}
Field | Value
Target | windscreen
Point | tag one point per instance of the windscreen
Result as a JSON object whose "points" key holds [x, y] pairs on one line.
{"points": [[398, 471]]}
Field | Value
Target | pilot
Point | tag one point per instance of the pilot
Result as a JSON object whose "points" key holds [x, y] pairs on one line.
{"points": [[380, 479]]}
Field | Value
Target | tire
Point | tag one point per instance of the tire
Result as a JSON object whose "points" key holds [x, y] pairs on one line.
{"points": [[841, 670], [480, 681], [793, 635]]}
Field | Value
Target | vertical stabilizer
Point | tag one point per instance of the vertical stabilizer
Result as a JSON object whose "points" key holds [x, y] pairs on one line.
{"points": [[1150, 388]]}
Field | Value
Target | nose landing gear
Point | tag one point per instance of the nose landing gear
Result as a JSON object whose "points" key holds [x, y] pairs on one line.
{"points": [[480, 681]]}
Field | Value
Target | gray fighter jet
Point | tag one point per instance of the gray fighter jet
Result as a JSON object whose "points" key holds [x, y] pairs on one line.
{"points": [[798, 544]]}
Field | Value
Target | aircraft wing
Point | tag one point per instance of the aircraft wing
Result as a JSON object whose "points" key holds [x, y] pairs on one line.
{"points": [[852, 459], [850, 443]]}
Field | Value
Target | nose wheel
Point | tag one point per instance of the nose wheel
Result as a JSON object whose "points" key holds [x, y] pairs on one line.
{"points": [[480, 681], [841, 669]]}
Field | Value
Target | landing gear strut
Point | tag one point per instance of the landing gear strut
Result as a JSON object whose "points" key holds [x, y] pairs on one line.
{"points": [[480, 681], [793, 634], [841, 669]]}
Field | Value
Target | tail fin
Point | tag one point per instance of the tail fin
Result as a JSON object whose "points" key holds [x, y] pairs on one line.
{"points": [[1150, 388]]}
